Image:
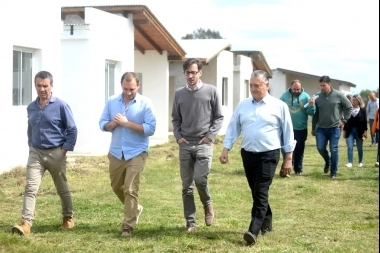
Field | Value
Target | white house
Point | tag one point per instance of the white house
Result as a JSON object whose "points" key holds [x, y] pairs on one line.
{"points": [[86, 49], [99, 44], [30, 42], [281, 79]]}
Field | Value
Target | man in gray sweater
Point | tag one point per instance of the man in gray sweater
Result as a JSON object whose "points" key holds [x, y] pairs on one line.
{"points": [[197, 118], [333, 109]]}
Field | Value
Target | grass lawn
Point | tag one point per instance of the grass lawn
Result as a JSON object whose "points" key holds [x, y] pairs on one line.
{"points": [[311, 213]]}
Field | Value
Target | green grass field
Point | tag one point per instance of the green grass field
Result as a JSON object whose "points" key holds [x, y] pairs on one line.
{"points": [[311, 213]]}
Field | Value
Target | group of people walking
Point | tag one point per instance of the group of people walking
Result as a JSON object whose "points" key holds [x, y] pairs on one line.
{"points": [[269, 126]]}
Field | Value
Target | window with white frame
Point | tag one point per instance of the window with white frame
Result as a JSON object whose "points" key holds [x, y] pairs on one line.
{"points": [[225, 91], [22, 76], [109, 79], [247, 89]]}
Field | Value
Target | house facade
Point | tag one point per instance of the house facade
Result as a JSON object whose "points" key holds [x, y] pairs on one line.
{"points": [[32, 44]]}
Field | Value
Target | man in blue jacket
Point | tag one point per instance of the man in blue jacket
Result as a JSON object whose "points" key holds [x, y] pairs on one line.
{"points": [[301, 105]]}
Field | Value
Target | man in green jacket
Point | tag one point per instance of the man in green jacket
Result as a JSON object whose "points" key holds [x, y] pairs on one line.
{"points": [[301, 105]]}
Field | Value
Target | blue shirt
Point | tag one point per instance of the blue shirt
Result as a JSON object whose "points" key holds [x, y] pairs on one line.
{"points": [[124, 140], [52, 126], [265, 125]]}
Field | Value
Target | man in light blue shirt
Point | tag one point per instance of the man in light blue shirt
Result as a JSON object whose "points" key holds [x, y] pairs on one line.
{"points": [[131, 120], [266, 127]]}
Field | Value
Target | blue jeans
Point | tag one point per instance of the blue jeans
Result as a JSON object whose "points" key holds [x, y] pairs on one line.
{"points": [[331, 135], [350, 145]]}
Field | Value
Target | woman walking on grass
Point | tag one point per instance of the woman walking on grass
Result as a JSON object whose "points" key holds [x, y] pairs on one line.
{"points": [[356, 129]]}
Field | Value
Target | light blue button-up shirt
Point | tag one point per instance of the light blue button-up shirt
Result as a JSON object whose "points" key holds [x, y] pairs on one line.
{"points": [[124, 140], [265, 125]]}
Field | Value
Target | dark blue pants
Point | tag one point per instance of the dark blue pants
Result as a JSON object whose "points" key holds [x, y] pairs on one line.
{"points": [[260, 169], [300, 136]]}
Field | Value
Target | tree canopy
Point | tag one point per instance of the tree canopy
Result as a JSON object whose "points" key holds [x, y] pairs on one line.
{"points": [[201, 33]]}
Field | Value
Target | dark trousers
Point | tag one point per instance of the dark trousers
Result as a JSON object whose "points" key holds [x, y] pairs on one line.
{"points": [[300, 136], [260, 169]]}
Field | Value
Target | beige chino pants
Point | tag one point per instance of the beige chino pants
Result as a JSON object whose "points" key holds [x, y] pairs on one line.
{"points": [[125, 182]]}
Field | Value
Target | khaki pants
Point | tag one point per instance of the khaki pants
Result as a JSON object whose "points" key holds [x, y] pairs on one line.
{"points": [[125, 182], [39, 161]]}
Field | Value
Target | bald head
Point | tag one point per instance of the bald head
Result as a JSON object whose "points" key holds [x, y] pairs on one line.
{"points": [[296, 87]]}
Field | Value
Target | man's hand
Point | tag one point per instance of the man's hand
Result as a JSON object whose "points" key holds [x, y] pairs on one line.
{"points": [[120, 119], [311, 101], [313, 132], [182, 140], [223, 158], [286, 167], [205, 140], [64, 151]]}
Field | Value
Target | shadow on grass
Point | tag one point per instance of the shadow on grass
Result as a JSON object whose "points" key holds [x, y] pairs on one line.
{"points": [[143, 233]]}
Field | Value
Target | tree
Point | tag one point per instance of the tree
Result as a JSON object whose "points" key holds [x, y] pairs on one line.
{"points": [[201, 33]]}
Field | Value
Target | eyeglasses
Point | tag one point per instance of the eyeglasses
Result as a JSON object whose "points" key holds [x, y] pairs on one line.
{"points": [[187, 73]]}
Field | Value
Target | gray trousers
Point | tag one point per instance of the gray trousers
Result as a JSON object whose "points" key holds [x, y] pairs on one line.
{"points": [[195, 163], [39, 161]]}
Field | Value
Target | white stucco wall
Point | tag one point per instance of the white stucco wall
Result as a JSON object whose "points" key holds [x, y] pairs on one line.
{"points": [[155, 85], [242, 73], [83, 58], [29, 30], [278, 84], [225, 68]]}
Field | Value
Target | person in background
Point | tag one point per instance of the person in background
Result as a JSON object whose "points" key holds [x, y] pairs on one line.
{"points": [[296, 99], [197, 118], [266, 127], [356, 129], [51, 133], [372, 105], [333, 110], [130, 118], [375, 131]]}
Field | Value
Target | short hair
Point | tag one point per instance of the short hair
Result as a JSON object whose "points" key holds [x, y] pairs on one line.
{"points": [[192, 61], [129, 76], [325, 79], [295, 81], [349, 96], [43, 75], [262, 73], [359, 99]]}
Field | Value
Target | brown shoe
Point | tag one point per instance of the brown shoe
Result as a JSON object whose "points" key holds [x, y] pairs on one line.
{"points": [[22, 229], [67, 223], [127, 231], [190, 229], [209, 215]]}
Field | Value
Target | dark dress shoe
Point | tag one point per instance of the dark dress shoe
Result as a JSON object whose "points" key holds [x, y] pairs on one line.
{"points": [[190, 229], [250, 238], [266, 226]]}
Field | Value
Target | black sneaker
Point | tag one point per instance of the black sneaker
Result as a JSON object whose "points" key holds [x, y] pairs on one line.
{"points": [[326, 169], [266, 226]]}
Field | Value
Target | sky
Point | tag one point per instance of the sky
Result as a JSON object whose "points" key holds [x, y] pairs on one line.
{"points": [[318, 37]]}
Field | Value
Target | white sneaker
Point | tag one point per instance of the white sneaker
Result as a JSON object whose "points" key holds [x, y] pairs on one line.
{"points": [[349, 165], [377, 164], [140, 209], [360, 165]]}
